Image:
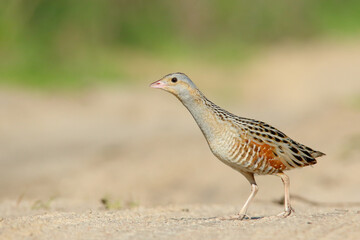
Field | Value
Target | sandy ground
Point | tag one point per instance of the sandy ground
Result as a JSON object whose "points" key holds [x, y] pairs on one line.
{"points": [[179, 222], [139, 149]]}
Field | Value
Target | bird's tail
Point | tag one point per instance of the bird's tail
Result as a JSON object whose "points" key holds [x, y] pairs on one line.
{"points": [[316, 154], [313, 153]]}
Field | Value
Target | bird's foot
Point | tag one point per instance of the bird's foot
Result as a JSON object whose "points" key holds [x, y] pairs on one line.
{"points": [[235, 217], [286, 213]]}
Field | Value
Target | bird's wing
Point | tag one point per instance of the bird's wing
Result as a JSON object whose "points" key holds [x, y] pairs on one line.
{"points": [[284, 149]]}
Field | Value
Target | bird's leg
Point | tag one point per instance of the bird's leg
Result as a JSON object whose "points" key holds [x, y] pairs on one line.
{"points": [[288, 209], [254, 189]]}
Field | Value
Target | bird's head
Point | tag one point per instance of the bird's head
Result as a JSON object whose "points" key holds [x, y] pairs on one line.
{"points": [[178, 84]]}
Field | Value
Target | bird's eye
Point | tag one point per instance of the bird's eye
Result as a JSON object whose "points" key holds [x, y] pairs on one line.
{"points": [[174, 79]]}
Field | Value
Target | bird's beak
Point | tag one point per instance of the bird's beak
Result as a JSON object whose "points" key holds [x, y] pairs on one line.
{"points": [[158, 84]]}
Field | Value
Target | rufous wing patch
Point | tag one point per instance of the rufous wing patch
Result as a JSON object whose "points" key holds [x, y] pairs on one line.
{"points": [[277, 164], [267, 152]]}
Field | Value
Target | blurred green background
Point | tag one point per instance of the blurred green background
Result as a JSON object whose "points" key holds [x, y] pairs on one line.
{"points": [[65, 44]]}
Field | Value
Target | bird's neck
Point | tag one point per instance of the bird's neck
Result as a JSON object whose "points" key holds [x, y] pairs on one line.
{"points": [[198, 106]]}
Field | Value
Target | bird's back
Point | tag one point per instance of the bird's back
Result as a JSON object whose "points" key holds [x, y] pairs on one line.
{"points": [[254, 146]]}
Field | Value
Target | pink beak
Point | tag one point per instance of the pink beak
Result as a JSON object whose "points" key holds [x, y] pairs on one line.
{"points": [[158, 84]]}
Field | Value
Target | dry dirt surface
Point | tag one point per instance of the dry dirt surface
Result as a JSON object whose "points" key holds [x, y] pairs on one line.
{"points": [[178, 222], [139, 151]]}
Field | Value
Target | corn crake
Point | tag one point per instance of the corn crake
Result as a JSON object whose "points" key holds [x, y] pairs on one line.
{"points": [[246, 145]]}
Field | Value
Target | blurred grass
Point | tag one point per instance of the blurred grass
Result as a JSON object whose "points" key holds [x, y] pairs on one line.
{"points": [[116, 204], [70, 44]]}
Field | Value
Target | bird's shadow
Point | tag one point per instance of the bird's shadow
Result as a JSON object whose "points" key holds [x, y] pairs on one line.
{"points": [[238, 219], [216, 218]]}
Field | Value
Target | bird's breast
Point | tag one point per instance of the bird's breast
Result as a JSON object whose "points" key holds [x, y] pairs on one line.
{"points": [[224, 141]]}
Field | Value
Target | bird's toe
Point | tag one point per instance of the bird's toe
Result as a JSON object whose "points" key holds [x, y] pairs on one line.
{"points": [[286, 213]]}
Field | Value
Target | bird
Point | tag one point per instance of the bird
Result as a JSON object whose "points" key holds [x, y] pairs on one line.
{"points": [[249, 146]]}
